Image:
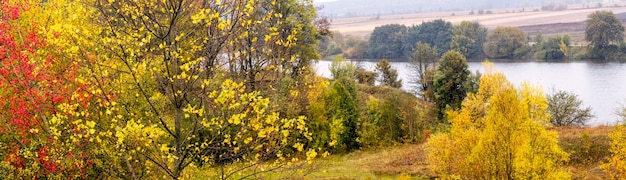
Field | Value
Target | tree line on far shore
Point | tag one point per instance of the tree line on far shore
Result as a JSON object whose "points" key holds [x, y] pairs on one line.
{"points": [[603, 33]]}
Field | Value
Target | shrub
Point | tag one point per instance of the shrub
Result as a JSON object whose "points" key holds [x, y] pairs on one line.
{"points": [[365, 77], [566, 110], [499, 133]]}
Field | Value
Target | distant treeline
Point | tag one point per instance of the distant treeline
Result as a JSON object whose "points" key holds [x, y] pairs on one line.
{"points": [[394, 41]]}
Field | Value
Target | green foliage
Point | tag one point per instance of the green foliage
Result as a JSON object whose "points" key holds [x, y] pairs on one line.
{"points": [[499, 133], [392, 120], [387, 42], [603, 28], [422, 59], [342, 105], [554, 48], [319, 123], [429, 93], [369, 130], [352, 47], [522, 52], [366, 77], [566, 110], [297, 15], [359, 51], [604, 32], [340, 67], [472, 84], [538, 38], [503, 42], [437, 33], [468, 38], [401, 117], [389, 76], [449, 81]]}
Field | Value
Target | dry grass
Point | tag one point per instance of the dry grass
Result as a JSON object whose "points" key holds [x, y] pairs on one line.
{"points": [[588, 148], [577, 132], [404, 159], [407, 161]]}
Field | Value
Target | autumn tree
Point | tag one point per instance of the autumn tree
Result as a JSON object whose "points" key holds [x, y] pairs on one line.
{"points": [[334, 112], [498, 133], [614, 167], [566, 109], [389, 75], [300, 18], [468, 38], [422, 59], [603, 28], [503, 41], [45, 128], [449, 80], [177, 70]]}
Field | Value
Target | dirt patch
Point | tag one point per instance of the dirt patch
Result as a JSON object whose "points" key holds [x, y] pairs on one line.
{"points": [[575, 29], [555, 28]]}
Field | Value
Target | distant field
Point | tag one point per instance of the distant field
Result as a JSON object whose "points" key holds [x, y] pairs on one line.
{"points": [[518, 17]]}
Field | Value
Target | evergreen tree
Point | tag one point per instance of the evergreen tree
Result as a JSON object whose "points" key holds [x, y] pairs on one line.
{"points": [[449, 81]]}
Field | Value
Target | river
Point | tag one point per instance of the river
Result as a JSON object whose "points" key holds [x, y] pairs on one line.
{"points": [[601, 86]]}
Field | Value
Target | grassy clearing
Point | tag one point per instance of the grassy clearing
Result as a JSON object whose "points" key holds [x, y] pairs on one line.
{"points": [[588, 148], [399, 162]]}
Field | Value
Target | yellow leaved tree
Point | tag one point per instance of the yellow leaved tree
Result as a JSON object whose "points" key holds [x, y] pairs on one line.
{"points": [[175, 71], [499, 133], [615, 167]]}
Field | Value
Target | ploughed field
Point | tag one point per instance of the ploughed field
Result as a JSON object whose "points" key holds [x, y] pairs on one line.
{"points": [[569, 21]]}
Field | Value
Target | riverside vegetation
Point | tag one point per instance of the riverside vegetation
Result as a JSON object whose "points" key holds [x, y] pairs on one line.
{"points": [[176, 89]]}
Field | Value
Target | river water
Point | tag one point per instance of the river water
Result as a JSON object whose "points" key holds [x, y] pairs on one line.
{"points": [[601, 86]]}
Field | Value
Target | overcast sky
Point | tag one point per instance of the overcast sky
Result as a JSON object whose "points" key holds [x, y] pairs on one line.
{"points": [[322, 0]]}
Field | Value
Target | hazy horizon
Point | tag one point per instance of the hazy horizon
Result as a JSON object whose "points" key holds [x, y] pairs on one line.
{"points": [[353, 8]]}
